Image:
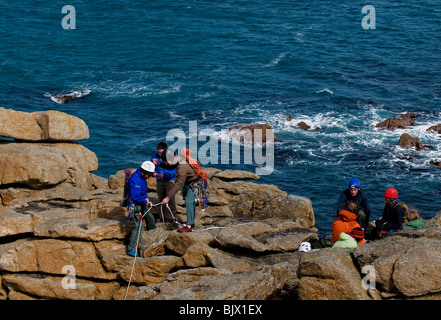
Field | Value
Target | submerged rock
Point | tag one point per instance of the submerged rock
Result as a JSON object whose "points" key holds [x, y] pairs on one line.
{"points": [[407, 141], [395, 123], [436, 128]]}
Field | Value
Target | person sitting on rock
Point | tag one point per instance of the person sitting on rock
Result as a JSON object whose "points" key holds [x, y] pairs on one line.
{"points": [[345, 221], [351, 239], [413, 220], [355, 193], [138, 195], [392, 218]]}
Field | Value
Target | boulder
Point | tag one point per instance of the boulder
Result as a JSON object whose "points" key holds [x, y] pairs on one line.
{"points": [[407, 266], [46, 165], [303, 125], [50, 256], [230, 175], [180, 242], [263, 201], [84, 229], [436, 128], [42, 126], [48, 287], [202, 255], [407, 141], [112, 255], [264, 237], [149, 270], [252, 133], [257, 285], [395, 123], [329, 274], [409, 115], [152, 242], [13, 223]]}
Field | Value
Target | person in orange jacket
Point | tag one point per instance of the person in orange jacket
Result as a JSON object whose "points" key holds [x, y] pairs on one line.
{"points": [[345, 221]]}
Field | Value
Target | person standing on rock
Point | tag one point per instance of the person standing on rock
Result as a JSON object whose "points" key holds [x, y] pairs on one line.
{"points": [[356, 194], [138, 195], [187, 174], [164, 182]]}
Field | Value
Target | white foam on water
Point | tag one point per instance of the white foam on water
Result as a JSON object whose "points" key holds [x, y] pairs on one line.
{"points": [[74, 93], [276, 61]]}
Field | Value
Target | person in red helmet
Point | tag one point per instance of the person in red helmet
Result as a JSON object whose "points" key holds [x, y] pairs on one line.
{"points": [[392, 218]]}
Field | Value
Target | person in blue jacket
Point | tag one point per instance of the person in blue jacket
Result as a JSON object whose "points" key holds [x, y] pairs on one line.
{"points": [[356, 194], [138, 196], [165, 179]]}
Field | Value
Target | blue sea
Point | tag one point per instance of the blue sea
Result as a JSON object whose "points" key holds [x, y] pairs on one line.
{"points": [[143, 68]]}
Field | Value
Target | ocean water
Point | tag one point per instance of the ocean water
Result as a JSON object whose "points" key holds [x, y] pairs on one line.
{"points": [[143, 68]]}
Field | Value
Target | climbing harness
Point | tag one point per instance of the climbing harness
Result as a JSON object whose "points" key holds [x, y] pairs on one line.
{"points": [[201, 194]]}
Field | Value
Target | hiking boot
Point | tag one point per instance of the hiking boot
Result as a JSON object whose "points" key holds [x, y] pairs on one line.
{"points": [[185, 229], [131, 253]]}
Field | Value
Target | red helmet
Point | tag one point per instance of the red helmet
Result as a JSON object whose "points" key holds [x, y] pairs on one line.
{"points": [[391, 193]]}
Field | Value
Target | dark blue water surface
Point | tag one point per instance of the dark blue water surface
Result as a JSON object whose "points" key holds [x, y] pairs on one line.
{"points": [[145, 67]]}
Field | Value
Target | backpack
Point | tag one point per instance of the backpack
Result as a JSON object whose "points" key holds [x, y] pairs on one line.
{"points": [[126, 201], [202, 194], [324, 242], [405, 210]]}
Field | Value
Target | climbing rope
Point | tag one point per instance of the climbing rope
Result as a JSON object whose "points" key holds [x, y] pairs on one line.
{"points": [[139, 234], [136, 248], [175, 221]]}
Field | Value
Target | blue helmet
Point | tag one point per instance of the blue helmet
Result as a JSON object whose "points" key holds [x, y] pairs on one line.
{"points": [[354, 183]]}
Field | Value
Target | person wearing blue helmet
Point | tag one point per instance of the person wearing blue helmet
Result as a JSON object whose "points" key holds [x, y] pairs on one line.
{"points": [[356, 194]]}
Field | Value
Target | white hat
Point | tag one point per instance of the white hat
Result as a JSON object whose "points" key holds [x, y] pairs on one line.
{"points": [[148, 166], [304, 247]]}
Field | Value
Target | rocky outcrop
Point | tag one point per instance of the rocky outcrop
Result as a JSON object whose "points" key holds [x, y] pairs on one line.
{"points": [[64, 235], [436, 128], [41, 165], [45, 232], [407, 141], [302, 125], [63, 239], [42, 126], [395, 123]]}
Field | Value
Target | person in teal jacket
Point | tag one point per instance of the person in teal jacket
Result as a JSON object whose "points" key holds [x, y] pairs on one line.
{"points": [[414, 221]]}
